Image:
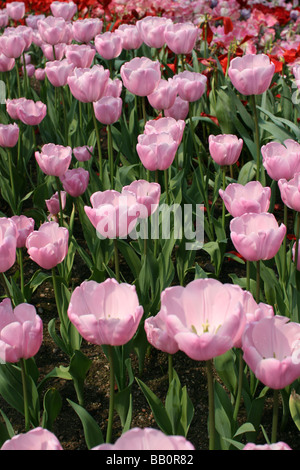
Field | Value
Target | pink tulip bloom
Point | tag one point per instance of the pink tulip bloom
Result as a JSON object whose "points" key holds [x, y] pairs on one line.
{"points": [[12, 45], [83, 154], [52, 29], [25, 225], [147, 439], [58, 72], [108, 45], [105, 313], [271, 350], [190, 85], [48, 246], [13, 105], [152, 30], [8, 243], [75, 181], [157, 334], [59, 50], [64, 9], [251, 197], [6, 63], [281, 160], [113, 88], [88, 85], [53, 203], [147, 195], [204, 318], [31, 20], [257, 236], [9, 135], [164, 95], [108, 109], [156, 151], [26, 33], [290, 192], [54, 159], [179, 110], [225, 149], [141, 75], [130, 35], [251, 74], [30, 112], [3, 19], [166, 124], [40, 74], [35, 439], [87, 29], [30, 70], [113, 214], [80, 55], [21, 331], [276, 446], [181, 37], [15, 10]]}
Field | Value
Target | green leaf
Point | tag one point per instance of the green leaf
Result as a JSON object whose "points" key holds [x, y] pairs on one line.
{"points": [[92, 432], [294, 404], [52, 407]]}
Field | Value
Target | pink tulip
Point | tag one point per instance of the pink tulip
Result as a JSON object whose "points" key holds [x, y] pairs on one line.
{"points": [[108, 45], [204, 318], [130, 35], [166, 124], [108, 109], [21, 331], [12, 45], [85, 30], [164, 95], [59, 51], [40, 74], [64, 9], [83, 154], [15, 10], [54, 159], [251, 74], [30, 112], [6, 63], [3, 19], [8, 243], [152, 30], [113, 214], [35, 439], [12, 106], [257, 236], [53, 205], [105, 313], [147, 439], [48, 246], [290, 192], [75, 181], [251, 197], [156, 151], [190, 85], [276, 446], [225, 149], [58, 72], [25, 225], [88, 85], [157, 334], [30, 70], [147, 194], [281, 160], [113, 88], [141, 75], [31, 20], [181, 37], [26, 33], [80, 55], [9, 135], [52, 29], [179, 110], [271, 350]]}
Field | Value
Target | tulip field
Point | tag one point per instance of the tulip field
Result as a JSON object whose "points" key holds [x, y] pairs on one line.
{"points": [[150, 225]]}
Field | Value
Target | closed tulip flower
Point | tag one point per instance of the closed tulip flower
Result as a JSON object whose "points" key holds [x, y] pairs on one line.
{"points": [[58, 54], [8, 243], [80, 55], [156, 151], [164, 95], [251, 197], [31, 112], [52, 29], [130, 35], [40, 74], [66, 10], [88, 85], [84, 153], [152, 30], [147, 194], [181, 37], [58, 72], [157, 334], [257, 236], [54, 159], [3, 19], [290, 192], [15, 10], [12, 45], [12, 106], [275, 446], [108, 45], [26, 33], [179, 110], [35, 439], [9, 135], [75, 181], [113, 88], [225, 149], [6, 63], [190, 85], [87, 29], [141, 75], [281, 160], [48, 246], [25, 225], [251, 74], [31, 20], [166, 124], [53, 204], [21, 331], [271, 350], [108, 109], [105, 313]]}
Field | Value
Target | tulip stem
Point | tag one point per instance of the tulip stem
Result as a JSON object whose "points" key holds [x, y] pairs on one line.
{"points": [[211, 404], [25, 395], [21, 267], [257, 281], [98, 143], [11, 176], [26, 84], [256, 136], [297, 240], [144, 110], [116, 255], [170, 367], [18, 77], [248, 275], [285, 217], [240, 386], [223, 205], [166, 186], [60, 201], [110, 156], [275, 416], [111, 395]]}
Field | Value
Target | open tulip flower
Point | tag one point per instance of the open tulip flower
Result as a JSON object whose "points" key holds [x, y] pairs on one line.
{"points": [[166, 124], [251, 74], [281, 160], [80, 55], [54, 159], [147, 195], [181, 37], [88, 84], [190, 85], [251, 197], [152, 30], [31, 112], [52, 29], [141, 75], [35, 439]]}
